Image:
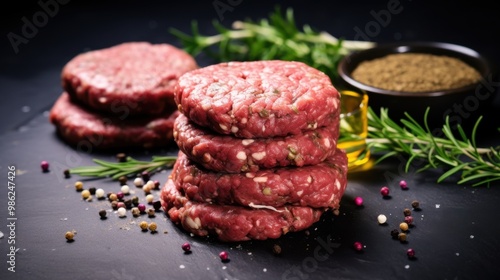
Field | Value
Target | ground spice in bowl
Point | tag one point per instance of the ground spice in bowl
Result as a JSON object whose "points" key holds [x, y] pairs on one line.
{"points": [[416, 72]]}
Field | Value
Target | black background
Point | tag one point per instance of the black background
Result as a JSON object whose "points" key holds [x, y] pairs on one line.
{"points": [[456, 232]]}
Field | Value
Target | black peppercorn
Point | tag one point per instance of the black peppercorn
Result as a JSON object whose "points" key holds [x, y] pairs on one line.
{"points": [[135, 200], [276, 249], [415, 204], [122, 180], [157, 205], [92, 190], [67, 174], [102, 213], [128, 203], [407, 212], [395, 233], [114, 205], [121, 157]]}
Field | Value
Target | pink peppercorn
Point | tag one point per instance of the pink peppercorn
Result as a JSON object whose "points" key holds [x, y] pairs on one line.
{"points": [[186, 247], [358, 201], [358, 246], [224, 256], [45, 166], [384, 191], [141, 207], [403, 184], [409, 220], [410, 253], [120, 195]]}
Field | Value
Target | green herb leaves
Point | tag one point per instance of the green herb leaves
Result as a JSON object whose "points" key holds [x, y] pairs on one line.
{"points": [[277, 37], [455, 152]]}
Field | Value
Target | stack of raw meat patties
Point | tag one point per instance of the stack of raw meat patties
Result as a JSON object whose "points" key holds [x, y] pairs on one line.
{"points": [[120, 97], [257, 150]]}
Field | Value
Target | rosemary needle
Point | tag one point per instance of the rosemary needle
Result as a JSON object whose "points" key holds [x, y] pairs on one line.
{"points": [[130, 167]]}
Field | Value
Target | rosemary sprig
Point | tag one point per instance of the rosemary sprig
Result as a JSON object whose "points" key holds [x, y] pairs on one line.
{"points": [[457, 154], [277, 37], [129, 167]]}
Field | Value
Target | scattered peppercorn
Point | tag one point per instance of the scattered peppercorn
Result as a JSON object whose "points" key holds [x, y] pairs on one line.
{"points": [[394, 233], [135, 200], [148, 187], [157, 205], [403, 184], [384, 191], [358, 246], [66, 173], [415, 204], [402, 237], [381, 219], [409, 220], [121, 157], [153, 227], [403, 226], [45, 166], [121, 212], [114, 205], [135, 212], [150, 198], [145, 176], [70, 235], [128, 203], [138, 182], [410, 253], [186, 247], [407, 212], [358, 200], [141, 207], [151, 212], [120, 195], [85, 194], [224, 256], [113, 197], [92, 190], [122, 180], [276, 249], [99, 193], [125, 189], [120, 204], [143, 225], [102, 214], [157, 184], [78, 186]]}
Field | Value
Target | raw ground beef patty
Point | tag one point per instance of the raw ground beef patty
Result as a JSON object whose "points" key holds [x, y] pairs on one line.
{"points": [[225, 153], [234, 223], [86, 129], [258, 98], [137, 77], [317, 186]]}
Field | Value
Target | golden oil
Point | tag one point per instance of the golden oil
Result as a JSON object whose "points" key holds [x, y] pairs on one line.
{"points": [[354, 128]]}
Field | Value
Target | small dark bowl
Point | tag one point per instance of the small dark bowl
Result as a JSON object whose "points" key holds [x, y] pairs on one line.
{"points": [[462, 105]]}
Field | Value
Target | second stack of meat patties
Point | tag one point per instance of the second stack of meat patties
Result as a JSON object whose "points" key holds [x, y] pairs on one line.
{"points": [[258, 155]]}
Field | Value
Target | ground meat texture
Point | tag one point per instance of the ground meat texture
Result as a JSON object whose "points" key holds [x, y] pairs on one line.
{"points": [[234, 223], [225, 153], [88, 130], [258, 98], [318, 186], [133, 77]]}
